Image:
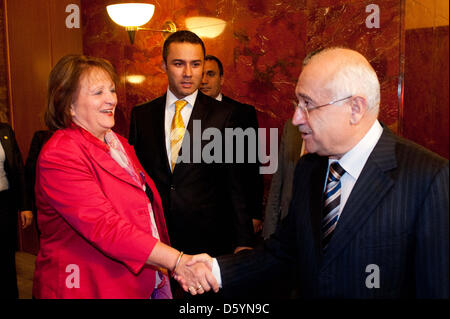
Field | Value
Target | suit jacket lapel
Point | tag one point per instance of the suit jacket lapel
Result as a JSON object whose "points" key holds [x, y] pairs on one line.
{"points": [[199, 112], [317, 183], [372, 185], [159, 122]]}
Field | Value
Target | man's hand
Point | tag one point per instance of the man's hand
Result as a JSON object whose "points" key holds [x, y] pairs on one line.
{"points": [[26, 217], [194, 274], [257, 225]]}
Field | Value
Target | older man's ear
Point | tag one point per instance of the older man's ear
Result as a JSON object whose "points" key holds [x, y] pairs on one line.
{"points": [[359, 109]]}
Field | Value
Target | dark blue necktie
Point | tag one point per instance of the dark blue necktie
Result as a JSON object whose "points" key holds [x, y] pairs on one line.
{"points": [[332, 199]]}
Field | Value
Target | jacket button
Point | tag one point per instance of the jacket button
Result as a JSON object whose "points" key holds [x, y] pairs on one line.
{"points": [[172, 188]]}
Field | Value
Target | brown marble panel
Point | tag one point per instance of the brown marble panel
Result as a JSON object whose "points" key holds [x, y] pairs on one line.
{"points": [[4, 108], [269, 45], [343, 23], [262, 48], [426, 98]]}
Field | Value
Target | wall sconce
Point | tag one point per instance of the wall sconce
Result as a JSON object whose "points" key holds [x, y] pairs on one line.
{"points": [[206, 27], [135, 79], [133, 15]]}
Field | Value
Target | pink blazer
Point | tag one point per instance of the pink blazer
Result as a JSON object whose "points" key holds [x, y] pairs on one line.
{"points": [[94, 222]]}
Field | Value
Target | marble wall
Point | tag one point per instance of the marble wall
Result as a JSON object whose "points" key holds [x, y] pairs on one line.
{"points": [[262, 48], [426, 99], [4, 107], [425, 117]]}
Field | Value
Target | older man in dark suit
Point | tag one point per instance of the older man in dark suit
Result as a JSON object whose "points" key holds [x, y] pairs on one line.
{"points": [[204, 203], [369, 211]]}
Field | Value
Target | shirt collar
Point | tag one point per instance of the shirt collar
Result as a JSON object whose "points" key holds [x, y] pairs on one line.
{"points": [[354, 160], [219, 97], [171, 98]]}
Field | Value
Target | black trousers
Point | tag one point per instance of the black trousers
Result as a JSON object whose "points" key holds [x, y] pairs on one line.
{"points": [[8, 245]]}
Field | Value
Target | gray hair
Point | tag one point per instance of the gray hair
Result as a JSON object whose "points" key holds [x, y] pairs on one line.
{"points": [[353, 76]]}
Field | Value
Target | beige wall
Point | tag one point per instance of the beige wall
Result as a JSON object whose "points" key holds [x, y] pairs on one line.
{"points": [[426, 13], [37, 37], [4, 108]]}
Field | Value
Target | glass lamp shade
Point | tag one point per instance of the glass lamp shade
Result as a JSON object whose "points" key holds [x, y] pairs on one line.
{"points": [[205, 26], [135, 79], [131, 14]]}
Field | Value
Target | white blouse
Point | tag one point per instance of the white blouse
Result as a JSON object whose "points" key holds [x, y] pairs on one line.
{"points": [[4, 184]]}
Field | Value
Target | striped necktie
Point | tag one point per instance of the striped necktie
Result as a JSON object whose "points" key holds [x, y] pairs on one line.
{"points": [[177, 130], [332, 199]]}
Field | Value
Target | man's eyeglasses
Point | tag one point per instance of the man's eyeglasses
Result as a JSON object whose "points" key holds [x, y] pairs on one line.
{"points": [[306, 106]]}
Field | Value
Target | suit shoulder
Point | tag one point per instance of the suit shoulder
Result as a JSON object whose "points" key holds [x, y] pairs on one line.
{"points": [[149, 104], [216, 106], [246, 109], [42, 135], [411, 152], [244, 106], [5, 126]]}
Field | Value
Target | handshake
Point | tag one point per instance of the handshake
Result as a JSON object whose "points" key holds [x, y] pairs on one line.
{"points": [[194, 273]]}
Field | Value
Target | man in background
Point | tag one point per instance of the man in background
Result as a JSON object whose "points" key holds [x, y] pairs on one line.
{"points": [[212, 82], [279, 198]]}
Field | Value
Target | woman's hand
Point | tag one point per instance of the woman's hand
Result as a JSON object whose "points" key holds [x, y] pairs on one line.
{"points": [[194, 274]]}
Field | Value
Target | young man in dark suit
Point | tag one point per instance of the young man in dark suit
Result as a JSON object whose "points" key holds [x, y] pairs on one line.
{"points": [[212, 82], [369, 211], [204, 203]]}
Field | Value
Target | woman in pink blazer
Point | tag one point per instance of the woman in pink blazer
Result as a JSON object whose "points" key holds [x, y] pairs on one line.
{"points": [[103, 233]]}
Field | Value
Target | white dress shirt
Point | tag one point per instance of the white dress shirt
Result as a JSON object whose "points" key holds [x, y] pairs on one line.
{"points": [[4, 185], [170, 112], [353, 162]]}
